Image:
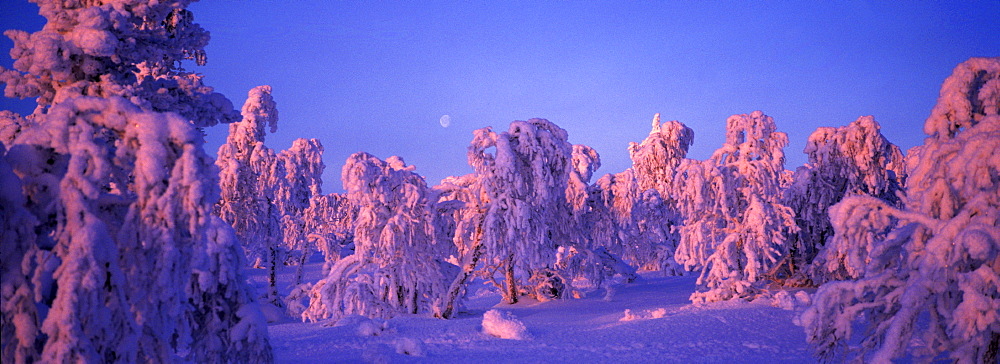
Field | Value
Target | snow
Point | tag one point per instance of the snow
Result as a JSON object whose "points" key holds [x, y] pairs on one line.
{"points": [[583, 330]]}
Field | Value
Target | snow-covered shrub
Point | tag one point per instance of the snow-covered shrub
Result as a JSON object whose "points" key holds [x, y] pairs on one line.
{"points": [[736, 228], [127, 263], [504, 325], [395, 268], [935, 277], [851, 160]]}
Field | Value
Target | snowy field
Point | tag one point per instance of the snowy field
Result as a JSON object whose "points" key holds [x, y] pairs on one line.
{"points": [[663, 328]]}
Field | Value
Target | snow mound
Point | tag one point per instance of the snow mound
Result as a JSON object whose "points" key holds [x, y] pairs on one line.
{"points": [[644, 314], [504, 325], [409, 346], [271, 312], [790, 302]]}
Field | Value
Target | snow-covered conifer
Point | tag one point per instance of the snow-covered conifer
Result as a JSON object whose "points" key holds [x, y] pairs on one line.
{"points": [[128, 263], [931, 286]]}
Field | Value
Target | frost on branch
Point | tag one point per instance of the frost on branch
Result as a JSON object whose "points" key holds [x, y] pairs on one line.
{"points": [[394, 268], [935, 277]]}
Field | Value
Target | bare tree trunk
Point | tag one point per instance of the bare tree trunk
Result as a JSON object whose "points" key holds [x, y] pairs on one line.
{"points": [[510, 294], [463, 276], [272, 277], [459, 282], [306, 252]]}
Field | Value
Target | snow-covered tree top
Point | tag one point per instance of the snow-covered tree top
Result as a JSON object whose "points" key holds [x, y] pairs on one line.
{"points": [[971, 93], [127, 48]]}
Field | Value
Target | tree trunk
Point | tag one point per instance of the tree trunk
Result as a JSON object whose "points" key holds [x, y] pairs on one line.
{"points": [[272, 277], [510, 293], [459, 282]]}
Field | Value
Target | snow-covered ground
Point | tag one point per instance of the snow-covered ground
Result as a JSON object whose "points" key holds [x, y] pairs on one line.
{"points": [[661, 326]]}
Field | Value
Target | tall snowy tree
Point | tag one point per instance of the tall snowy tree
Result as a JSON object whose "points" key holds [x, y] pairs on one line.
{"points": [[394, 268], [739, 233], [931, 288], [251, 177], [656, 213], [851, 160], [525, 181], [242, 204], [303, 164], [127, 262]]}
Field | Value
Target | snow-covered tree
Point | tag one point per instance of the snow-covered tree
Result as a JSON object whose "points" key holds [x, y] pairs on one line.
{"points": [[525, 180], [303, 164], [851, 160], [394, 268], [460, 212], [19, 320], [251, 177], [931, 286], [736, 227], [329, 221], [242, 204], [126, 262], [656, 158], [656, 213]]}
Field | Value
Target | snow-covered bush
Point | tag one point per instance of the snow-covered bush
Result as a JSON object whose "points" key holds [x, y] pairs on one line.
{"points": [[851, 160], [394, 268], [736, 228], [935, 277], [127, 263], [504, 325]]}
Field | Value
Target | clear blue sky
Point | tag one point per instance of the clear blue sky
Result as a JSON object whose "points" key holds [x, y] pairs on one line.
{"points": [[376, 76]]}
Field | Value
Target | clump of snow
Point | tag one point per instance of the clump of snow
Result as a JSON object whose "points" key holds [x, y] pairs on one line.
{"points": [[789, 301], [271, 312], [409, 346], [504, 325], [655, 313]]}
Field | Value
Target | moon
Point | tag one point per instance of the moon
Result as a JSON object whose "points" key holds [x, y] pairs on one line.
{"points": [[445, 120]]}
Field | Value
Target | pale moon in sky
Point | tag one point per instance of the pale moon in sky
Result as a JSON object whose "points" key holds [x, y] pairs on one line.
{"points": [[445, 120]]}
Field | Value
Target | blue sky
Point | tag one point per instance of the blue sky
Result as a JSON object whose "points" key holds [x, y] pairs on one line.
{"points": [[376, 76]]}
